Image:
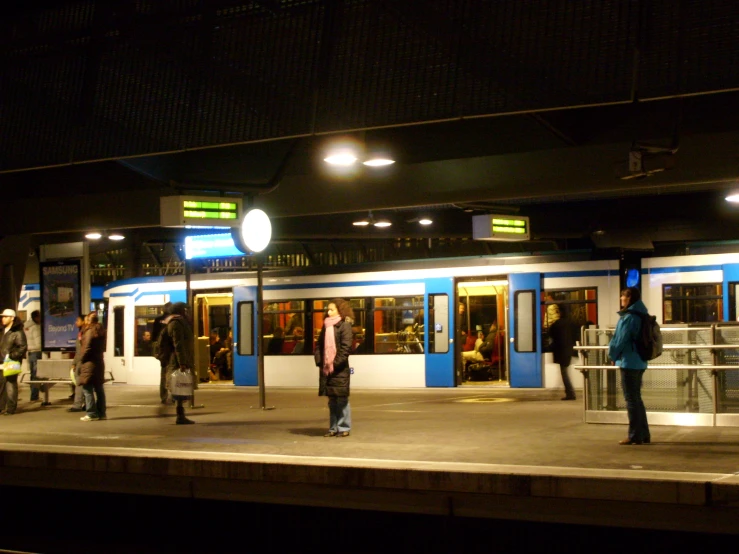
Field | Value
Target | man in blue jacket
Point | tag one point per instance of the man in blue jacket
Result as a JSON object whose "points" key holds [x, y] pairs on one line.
{"points": [[622, 350]]}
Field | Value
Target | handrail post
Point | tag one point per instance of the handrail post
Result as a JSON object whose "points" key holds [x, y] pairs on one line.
{"points": [[714, 373]]}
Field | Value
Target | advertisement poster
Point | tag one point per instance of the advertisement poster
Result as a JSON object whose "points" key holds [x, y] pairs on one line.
{"points": [[60, 304]]}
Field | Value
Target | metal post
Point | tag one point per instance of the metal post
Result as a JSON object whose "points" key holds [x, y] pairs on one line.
{"points": [[714, 361], [260, 349], [190, 307]]}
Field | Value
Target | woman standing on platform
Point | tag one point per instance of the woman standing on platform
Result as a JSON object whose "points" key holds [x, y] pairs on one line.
{"points": [[622, 350], [92, 368], [332, 357]]}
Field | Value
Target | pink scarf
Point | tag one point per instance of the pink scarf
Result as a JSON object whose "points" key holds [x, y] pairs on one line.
{"points": [[329, 344]]}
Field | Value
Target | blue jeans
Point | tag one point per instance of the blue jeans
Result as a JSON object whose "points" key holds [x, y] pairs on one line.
{"points": [[340, 418], [94, 409], [33, 358], [631, 384]]}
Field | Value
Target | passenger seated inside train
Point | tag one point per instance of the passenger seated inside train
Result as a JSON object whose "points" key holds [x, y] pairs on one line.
{"points": [[274, 346], [299, 340]]}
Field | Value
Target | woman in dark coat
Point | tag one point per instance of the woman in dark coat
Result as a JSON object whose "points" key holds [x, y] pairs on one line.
{"points": [[332, 358], [92, 368]]}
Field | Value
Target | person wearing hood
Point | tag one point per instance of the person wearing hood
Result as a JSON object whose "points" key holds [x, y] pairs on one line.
{"points": [[622, 350], [92, 368], [332, 358], [13, 348], [178, 336]]}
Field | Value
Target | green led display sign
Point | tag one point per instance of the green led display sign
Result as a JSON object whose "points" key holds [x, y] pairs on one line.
{"points": [[500, 227], [194, 211]]}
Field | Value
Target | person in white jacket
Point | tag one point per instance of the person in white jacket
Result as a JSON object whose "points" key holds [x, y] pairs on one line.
{"points": [[32, 328]]}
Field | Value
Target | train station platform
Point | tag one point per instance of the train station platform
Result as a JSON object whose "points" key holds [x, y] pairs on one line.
{"points": [[466, 452]]}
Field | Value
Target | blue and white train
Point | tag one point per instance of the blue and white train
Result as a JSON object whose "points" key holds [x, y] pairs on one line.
{"points": [[416, 323]]}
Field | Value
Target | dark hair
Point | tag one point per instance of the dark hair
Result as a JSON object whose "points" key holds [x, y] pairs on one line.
{"points": [[93, 316], [344, 308], [167, 310], [178, 308], [34, 313], [633, 293]]}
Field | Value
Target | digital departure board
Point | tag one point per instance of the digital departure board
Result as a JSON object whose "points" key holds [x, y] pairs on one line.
{"points": [[200, 211], [500, 227]]}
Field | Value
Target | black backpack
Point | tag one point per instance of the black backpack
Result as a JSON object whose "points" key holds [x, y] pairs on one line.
{"points": [[163, 347], [649, 341]]}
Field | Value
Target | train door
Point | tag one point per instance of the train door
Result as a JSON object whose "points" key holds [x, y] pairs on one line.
{"points": [[482, 331], [244, 334], [212, 326], [525, 325], [731, 292], [438, 333]]}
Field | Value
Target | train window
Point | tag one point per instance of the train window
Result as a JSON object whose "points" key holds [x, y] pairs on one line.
{"points": [[525, 328], [580, 305], [119, 312], [693, 303], [359, 328], [283, 328], [398, 325], [144, 333], [245, 326], [439, 323]]}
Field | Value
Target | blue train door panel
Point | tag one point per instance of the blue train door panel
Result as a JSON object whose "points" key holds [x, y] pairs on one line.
{"points": [[245, 343], [525, 329], [439, 327], [731, 287]]}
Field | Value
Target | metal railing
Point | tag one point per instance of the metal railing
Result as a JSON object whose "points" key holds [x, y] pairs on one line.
{"points": [[694, 382]]}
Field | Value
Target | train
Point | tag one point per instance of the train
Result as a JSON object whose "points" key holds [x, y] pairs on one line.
{"points": [[414, 321]]}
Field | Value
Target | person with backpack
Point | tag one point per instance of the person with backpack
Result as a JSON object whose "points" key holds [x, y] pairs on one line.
{"points": [[161, 354], [623, 351]]}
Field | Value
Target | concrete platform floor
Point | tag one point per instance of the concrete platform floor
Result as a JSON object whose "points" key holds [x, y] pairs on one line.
{"points": [[488, 452], [465, 425]]}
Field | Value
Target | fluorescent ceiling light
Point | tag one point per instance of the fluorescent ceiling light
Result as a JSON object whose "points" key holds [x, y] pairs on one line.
{"points": [[383, 223], [379, 162], [341, 158], [734, 198], [362, 223], [116, 236], [93, 236], [425, 221]]}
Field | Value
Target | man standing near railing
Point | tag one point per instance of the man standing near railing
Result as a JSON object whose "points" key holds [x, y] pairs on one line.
{"points": [[622, 350]]}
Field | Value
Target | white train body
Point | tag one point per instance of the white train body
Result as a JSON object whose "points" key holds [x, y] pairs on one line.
{"points": [[408, 318]]}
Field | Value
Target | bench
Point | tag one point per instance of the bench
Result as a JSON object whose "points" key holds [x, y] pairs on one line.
{"points": [[53, 372]]}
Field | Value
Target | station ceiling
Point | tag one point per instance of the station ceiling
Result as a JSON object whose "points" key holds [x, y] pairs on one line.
{"points": [[563, 164]]}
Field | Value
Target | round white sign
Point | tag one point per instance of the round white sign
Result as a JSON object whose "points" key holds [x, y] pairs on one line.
{"points": [[256, 230]]}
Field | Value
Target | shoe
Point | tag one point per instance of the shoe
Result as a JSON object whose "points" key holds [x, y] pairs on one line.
{"points": [[184, 421], [70, 397], [343, 434], [569, 398], [89, 418], [629, 441], [102, 417], [73, 409], [330, 434], [8, 413]]}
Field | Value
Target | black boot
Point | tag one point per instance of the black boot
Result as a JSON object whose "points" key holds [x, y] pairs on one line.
{"points": [[181, 419]]}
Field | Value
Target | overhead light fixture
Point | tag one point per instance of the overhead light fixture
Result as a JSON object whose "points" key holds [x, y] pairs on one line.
{"points": [[342, 159], [116, 236], [370, 220], [378, 162], [733, 198], [93, 236], [425, 221]]}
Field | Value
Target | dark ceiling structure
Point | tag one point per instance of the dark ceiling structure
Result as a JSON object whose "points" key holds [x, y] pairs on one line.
{"points": [[610, 123]]}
